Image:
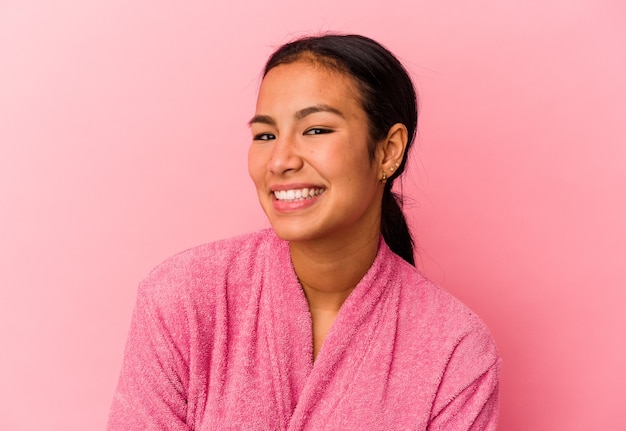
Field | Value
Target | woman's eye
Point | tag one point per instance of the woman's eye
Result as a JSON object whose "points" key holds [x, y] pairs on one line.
{"points": [[317, 131], [264, 137]]}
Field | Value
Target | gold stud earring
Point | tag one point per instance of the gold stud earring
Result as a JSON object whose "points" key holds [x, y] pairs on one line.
{"points": [[384, 177]]}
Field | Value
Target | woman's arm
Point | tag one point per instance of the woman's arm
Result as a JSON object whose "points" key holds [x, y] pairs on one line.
{"points": [[467, 399], [152, 389]]}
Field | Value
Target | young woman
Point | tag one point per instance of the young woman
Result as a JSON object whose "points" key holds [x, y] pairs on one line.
{"points": [[322, 322]]}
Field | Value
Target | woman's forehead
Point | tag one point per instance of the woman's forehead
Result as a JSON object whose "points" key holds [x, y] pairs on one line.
{"points": [[310, 82], [293, 88]]}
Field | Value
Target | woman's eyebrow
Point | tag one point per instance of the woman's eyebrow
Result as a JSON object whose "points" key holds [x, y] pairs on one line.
{"points": [[263, 119], [299, 115], [317, 108]]}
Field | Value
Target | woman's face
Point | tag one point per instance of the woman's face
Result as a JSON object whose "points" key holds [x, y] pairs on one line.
{"points": [[309, 156]]}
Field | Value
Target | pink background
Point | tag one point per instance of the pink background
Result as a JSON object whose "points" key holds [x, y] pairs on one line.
{"points": [[123, 140]]}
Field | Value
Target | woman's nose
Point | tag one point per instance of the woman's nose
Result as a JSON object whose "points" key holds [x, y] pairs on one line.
{"points": [[284, 157]]}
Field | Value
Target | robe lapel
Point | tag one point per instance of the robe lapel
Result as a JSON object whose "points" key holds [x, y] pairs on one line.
{"points": [[341, 357], [288, 330]]}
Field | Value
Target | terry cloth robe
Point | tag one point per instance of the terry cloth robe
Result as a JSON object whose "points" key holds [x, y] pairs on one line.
{"points": [[221, 339]]}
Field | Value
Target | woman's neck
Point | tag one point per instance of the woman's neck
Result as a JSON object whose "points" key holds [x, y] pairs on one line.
{"points": [[330, 269]]}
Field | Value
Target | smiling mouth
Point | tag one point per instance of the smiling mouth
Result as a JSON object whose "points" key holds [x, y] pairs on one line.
{"points": [[297, 194]]}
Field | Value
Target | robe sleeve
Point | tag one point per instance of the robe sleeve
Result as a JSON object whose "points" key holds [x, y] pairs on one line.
{"points": [[152, 388], [467, 399]]}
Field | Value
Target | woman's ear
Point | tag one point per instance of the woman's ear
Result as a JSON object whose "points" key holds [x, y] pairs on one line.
{"points": [[392, 148]]}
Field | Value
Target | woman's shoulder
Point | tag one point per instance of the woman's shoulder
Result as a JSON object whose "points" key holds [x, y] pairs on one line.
{"points": [[210, 264], [435, 313]]}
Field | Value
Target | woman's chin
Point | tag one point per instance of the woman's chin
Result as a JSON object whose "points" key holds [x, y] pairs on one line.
{"points": [[291, 234]]}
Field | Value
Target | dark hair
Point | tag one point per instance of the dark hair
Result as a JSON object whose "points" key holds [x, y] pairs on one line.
{"points": [[387, 96]]}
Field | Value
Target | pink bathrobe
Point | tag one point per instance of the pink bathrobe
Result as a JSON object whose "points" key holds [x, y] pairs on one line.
{"points": [[221, 340]]}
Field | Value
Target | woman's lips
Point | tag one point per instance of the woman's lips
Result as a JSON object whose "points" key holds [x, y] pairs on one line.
{"points": [[289, 199], [298, 193]]}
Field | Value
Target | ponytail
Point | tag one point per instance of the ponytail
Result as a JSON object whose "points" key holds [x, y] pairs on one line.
{"points": [[394, 227]]}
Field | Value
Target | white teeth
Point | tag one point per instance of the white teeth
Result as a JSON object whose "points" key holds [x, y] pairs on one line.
{"points": [[297, 194]]}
